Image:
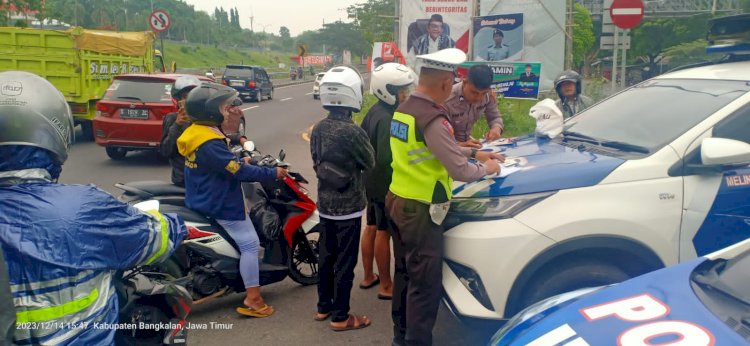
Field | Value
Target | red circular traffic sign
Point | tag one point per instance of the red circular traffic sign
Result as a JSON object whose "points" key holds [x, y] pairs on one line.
{"points": [[626, 14], [159, 20]]}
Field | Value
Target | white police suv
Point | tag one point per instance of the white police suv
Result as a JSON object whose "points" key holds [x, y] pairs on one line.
{"points": [[654, 175]]}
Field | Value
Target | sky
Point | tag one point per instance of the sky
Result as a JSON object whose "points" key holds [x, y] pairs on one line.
{"points": [[297, 15]]}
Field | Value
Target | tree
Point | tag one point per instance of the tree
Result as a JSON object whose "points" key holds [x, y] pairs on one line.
{"points": [[652, 37], [284, 32], [374, 19], [583, 35], [340, 36]]}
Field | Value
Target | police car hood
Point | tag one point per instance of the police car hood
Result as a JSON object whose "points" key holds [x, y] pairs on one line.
{"points": [[661, 299], [541, 165]]}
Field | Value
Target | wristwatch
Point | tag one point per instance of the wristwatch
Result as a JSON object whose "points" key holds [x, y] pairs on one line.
{"points": [[473, 153]]}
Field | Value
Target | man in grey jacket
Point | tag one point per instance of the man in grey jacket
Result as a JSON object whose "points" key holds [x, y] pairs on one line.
{"points": [[336, 142]]}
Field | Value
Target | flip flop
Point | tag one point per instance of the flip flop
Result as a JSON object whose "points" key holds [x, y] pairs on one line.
{"points": [[384, 297], [265, 311], [372, 284], [352, 323], [321, 316]]}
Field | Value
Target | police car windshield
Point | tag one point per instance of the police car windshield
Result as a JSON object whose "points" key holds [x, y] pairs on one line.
{"points": [[654, 113]]}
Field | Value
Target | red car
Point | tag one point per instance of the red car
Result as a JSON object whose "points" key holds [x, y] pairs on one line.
{"points": [[129, 115]]}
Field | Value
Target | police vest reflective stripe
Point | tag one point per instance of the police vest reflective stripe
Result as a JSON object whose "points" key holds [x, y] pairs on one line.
{"points": [[416, 171]]}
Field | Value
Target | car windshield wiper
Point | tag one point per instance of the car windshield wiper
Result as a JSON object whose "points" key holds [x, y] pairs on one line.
{"points": [[579, 137], [625, 146], [131, 98]]}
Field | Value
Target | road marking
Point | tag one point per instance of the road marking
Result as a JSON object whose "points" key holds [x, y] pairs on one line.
{"points": [[626, 11], [251, 107], [310, 93], [286, 99]]}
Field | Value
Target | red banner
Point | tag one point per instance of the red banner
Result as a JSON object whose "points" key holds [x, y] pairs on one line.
{"points": [[313, 60]]}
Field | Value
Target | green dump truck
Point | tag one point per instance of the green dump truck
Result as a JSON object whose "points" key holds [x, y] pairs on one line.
{"points": [[79, 62]]}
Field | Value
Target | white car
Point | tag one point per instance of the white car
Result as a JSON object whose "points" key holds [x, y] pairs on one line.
{"points": [[316, 85], [652, 176]]}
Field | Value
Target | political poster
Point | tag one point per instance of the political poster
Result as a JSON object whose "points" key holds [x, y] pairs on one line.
{"points": [[498, 37], [383, 52], [511, 79], [544, 32], [432, 25]]}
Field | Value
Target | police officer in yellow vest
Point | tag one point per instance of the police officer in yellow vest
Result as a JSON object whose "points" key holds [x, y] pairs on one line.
{"points": [[425, 159]]}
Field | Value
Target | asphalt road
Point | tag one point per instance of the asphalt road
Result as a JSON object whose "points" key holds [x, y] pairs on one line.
{"points": [[272, 125]]}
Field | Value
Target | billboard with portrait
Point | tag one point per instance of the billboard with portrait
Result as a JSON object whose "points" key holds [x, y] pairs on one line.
{"points": [[511, 79], [432, 25], [498, 37], [544, 32]]}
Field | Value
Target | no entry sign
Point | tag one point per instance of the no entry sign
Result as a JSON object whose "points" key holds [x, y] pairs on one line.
{"points": [[626, 14], [159, 20]]}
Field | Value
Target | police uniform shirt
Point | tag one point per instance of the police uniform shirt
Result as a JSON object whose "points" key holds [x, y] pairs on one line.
{"points": [[498, 53]]}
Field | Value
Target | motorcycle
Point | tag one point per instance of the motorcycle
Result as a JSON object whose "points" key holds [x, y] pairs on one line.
{"points": [[152, 310], [207, 263]]}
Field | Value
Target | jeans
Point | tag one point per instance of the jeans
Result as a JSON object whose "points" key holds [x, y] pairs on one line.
{"points": [[243, 233], [339, 249]]}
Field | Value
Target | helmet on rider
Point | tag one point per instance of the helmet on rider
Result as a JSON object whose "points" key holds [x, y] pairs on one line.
{"points": [[182, 85], [388, 79], [568, 76], [342, 87], [207, 104], [33, 115]]}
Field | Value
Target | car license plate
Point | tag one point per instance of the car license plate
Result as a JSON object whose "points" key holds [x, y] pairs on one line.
{"points": [[128, 113], [236, 83]]}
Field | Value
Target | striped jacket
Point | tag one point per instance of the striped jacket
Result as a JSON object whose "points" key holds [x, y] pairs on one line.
{"points": [[63, 245]]}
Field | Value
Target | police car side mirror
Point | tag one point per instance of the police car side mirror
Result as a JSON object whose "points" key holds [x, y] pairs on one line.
{"points": [[724, 152]]}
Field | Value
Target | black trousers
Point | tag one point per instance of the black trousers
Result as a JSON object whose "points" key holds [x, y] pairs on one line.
{"points": [[418, 247], [339, 249]]}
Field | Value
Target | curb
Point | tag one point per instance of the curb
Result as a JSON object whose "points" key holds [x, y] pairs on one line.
{"points": [[282, 84]]}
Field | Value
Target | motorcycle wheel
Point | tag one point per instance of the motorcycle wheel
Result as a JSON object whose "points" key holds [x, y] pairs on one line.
{"points": [[130, 337], [303, 264]]}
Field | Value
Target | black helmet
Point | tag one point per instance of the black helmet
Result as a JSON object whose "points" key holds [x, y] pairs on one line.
{"points": [[34, 113], [568, 76], [183, 84], [203, 103]]}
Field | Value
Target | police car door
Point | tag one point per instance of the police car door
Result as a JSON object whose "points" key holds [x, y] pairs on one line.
{"points": [[716, 210]]}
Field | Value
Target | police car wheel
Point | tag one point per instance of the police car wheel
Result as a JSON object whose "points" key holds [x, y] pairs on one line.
{"points": [[569, 276]]}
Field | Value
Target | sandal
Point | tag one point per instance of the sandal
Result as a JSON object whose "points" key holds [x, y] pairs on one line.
{"points": [[372, 284], [321, 316], [264, 311], [352, 323]]}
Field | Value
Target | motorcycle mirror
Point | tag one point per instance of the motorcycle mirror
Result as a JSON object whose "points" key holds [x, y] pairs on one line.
{"points": [[249, 146], [282, 155], [147, 206]]}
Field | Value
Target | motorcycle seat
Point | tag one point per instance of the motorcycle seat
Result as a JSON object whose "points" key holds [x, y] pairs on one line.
{"points": [[152, 188]]}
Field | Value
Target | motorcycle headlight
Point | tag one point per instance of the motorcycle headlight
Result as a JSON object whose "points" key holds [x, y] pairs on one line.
{"points": [[532, 314], [490, 208]]}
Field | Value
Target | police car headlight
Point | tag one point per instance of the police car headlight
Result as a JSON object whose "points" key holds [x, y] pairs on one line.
{"points": [[522, 321], [491, 208]]}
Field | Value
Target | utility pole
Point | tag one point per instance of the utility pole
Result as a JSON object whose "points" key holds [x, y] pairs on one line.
{"points": [[569, 36]]}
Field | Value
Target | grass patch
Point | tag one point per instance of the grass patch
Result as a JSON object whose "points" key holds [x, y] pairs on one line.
{"points": [[515, 116], [204, 56]]}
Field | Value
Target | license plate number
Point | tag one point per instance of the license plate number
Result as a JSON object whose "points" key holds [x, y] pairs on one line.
{"points": [[236, 83], [134, 113]]}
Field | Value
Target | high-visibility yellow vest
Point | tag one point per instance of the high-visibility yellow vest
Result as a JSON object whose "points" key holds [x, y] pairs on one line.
{"points": [[416, 171]]}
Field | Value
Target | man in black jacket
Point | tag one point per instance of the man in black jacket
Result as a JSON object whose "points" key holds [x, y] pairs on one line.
{"points": [[391, 83], [341, 146], [174, 124]]}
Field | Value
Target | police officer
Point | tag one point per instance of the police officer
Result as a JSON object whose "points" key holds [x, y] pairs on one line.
{"points": [[425, 158], [498, 51], [63, 243]]}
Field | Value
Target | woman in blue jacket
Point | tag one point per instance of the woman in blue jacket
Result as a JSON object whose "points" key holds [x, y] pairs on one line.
{"points": [[213, 177]]}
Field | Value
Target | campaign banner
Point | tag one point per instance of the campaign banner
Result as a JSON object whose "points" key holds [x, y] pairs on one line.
{"points": [[544, 35], [383, 52], [313, 60], [511, 79], [498, 37], [432, 25]]}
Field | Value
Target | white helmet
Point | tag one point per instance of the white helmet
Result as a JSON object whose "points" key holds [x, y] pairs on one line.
{"points": [[342, 87], [388, 78]]}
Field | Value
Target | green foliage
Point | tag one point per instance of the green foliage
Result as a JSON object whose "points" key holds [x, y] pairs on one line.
{"points": [[655, 35], [338, 36], [203, 56], [583, 34], [687, 53], [372, 19]]}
